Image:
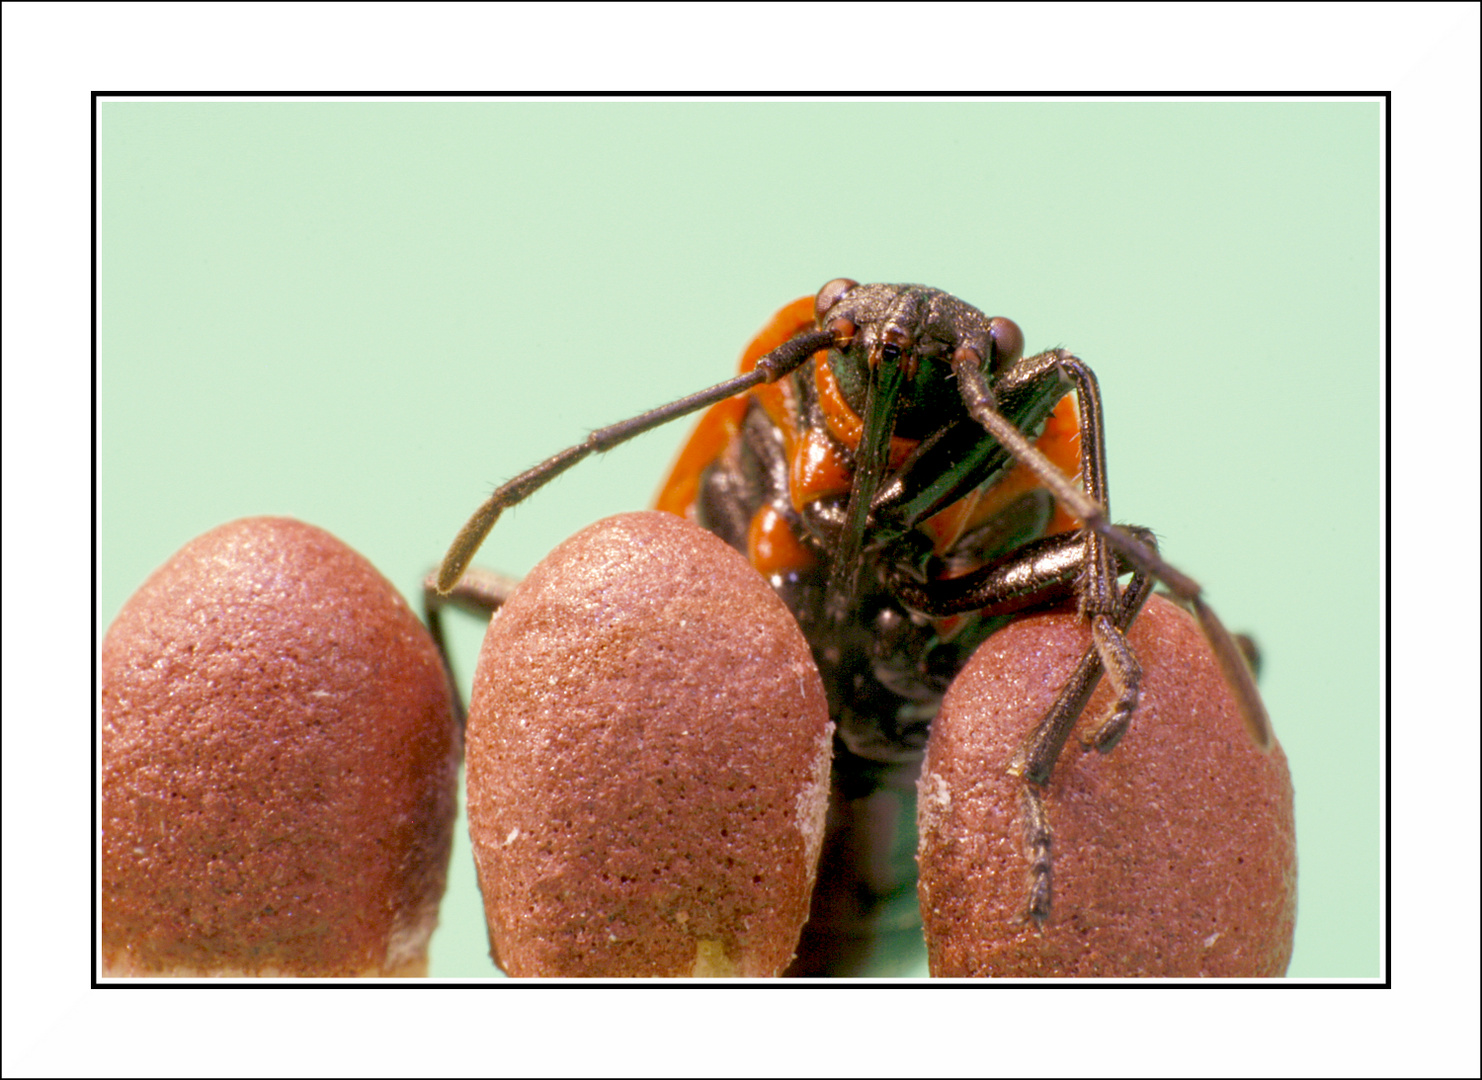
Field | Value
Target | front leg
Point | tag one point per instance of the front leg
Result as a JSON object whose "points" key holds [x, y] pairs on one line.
{"points": [[1034, 576], [1036, 758], [1173, 856], [479, 592]]}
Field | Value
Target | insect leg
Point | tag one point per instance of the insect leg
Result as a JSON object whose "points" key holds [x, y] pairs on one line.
{"points": [[1035, 575], [1096, 585], [1039, 845], [479, 592], [771, 367], [981, 402], [1037, 755]]}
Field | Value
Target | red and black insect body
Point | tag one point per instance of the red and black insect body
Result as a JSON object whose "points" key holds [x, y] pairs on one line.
{"points": [[908, 481], [772, 474]]}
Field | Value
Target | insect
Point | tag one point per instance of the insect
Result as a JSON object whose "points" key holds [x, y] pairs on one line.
{"points": [[908, 481]]}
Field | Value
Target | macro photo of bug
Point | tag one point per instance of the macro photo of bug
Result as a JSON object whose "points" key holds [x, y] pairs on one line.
{"points": [[691, 757]]}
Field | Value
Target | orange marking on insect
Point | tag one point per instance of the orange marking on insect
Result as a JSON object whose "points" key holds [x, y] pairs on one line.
{"points": [[1061, 443], [773, 547], [721, 421], [711, 436], [948, 626], [844, 424], [817, 469], [948, 524], [779, 399]]}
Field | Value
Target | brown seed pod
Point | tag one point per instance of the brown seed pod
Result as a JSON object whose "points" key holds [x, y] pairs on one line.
{"points": [[648, 761], [1174, 854], [279, 765]]}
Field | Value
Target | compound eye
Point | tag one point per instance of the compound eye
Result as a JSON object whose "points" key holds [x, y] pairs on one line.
{"points": [[1008, 342], [830, 295]]}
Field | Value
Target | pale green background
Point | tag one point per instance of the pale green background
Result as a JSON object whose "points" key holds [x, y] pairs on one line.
{"points": [[366, 314]]}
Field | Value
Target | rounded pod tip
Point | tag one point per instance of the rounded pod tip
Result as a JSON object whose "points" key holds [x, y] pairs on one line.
{"points": [[648, 761], [279, 764], [1174, 854]]}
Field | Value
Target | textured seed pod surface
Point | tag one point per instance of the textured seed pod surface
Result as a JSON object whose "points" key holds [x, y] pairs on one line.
{"points": [[1174, 854], [279, 764], [648, 761]]}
